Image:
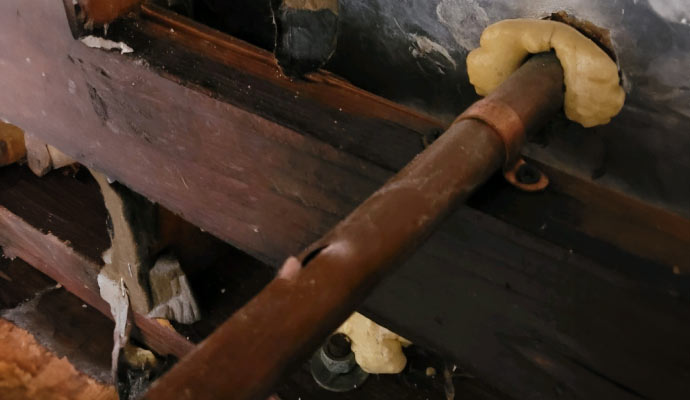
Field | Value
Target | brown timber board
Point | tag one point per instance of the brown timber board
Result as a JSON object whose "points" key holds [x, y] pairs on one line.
{"points": [[388, 135]]}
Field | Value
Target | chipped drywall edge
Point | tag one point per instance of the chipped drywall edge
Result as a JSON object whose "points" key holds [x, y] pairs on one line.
{"points": [[115, 294], [96, 42], [58, 158], [171, 292]]}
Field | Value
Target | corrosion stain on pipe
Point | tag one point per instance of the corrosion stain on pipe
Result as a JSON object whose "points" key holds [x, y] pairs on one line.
{"points": [[246, 356]]}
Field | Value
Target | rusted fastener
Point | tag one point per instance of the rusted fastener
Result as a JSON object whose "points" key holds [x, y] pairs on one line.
{"points": [[334, 368], [526, 177]]}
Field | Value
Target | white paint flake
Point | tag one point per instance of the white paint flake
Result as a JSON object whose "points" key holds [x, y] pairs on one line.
{"points": [[115, 294], [96, 42], [422, 46]]}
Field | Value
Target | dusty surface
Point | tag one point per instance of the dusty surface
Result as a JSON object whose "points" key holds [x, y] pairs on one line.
{"points": [[29, 371]]}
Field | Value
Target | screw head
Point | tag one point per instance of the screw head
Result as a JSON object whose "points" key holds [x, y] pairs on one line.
{"points": [[334, 368], [338, 346], [527, 174]]}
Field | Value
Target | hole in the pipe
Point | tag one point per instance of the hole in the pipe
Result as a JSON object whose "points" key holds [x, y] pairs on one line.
{"points": [[312, 254]]}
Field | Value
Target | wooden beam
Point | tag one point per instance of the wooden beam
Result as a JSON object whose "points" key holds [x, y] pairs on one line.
{"points": [[321, 104]]}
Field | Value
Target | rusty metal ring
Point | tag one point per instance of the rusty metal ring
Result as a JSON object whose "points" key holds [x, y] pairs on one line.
{"points": [[539, 181]]}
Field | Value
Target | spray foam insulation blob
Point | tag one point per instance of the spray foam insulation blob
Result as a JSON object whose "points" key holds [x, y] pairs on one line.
{"points": [[377, 350], [593, 94]]}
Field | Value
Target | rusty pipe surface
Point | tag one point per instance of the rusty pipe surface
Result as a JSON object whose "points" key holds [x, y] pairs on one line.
{"points": [[292, 315]]}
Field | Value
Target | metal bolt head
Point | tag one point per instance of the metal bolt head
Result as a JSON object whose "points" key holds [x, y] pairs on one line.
{"points": [[334, 368], [528, 174], [338, 346]]}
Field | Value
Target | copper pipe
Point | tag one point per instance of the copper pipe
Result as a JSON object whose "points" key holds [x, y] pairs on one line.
{"points": [[289, 318]]}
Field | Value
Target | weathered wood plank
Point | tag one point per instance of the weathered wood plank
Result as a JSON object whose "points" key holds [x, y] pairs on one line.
{"points": [[539, 319], [592, 220], [367, 124], [321, 105]]}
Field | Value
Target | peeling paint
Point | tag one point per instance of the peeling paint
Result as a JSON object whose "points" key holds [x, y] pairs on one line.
{"points": [[423, 47], [115, 293], [100, 43]]}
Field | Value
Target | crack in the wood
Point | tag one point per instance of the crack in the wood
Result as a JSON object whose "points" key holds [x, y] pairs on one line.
{"points": [[99, 106]]}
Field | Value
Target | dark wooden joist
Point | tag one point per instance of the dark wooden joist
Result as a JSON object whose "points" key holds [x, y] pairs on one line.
{"points": [[541, 320], [376, 130], [320, 104], [271, 190]]}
